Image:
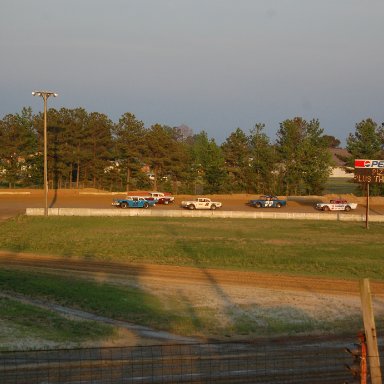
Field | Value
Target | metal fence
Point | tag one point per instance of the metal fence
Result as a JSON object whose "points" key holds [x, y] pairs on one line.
{"points": [[186, 363]]}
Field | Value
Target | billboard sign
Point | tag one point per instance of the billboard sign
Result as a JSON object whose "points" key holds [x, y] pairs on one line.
{"points": [[369, 171]]}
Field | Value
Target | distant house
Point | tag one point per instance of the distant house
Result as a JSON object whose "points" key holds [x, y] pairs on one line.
{"points": [[340, 169]]}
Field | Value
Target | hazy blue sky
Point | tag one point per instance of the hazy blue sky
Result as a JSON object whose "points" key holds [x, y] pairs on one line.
{"points": [[213, 65]]}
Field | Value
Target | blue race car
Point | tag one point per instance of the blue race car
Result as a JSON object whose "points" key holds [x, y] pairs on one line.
{"points": [[133, 202], [267, 201]]}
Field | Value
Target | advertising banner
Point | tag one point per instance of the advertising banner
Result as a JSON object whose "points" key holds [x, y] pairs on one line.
{"points": [[369, 171]]}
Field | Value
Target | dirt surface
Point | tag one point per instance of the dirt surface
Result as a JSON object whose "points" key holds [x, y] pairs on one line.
{"points": [[227, 294], [12, 202]]}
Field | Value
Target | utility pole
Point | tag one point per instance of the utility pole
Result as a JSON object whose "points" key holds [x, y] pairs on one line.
{"points": [[45, 95]]}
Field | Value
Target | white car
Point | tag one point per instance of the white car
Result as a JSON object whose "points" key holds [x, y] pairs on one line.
{"points": [[160, 197], [336, 205], [201, 203]]}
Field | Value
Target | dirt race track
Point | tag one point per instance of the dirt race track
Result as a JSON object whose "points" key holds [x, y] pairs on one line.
{"points": [[224, 291], [13, 202]]}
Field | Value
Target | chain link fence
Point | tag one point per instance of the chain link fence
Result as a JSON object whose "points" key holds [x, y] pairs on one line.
{"points": [[183, 363]]}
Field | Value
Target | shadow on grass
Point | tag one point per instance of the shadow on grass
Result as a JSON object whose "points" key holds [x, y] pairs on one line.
{"points": [[255, 320]]}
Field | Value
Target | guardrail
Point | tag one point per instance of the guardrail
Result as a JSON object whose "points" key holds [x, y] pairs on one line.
{"points": [[116, 212], [14, 193]]}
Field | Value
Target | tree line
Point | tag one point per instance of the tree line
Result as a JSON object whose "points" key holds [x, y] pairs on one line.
{"points": [[87, 149]]}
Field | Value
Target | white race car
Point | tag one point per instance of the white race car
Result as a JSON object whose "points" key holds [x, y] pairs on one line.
{"points": [[201, 203], [336, 205]]}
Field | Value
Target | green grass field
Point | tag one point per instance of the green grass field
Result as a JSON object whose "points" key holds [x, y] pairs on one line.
{"points": [[329, 249], [321, 248], [134, 305], [340, 185], [28, 322]]}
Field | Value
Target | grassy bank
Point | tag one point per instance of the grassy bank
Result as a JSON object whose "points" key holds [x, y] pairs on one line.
{"points": [[337, 249], [134, 305], [120, 303], [27, 327]]}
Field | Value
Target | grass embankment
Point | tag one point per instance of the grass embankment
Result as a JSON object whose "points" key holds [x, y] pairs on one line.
{"points": [[125, 303], [333, 249], [26, 326], [137, 306]]}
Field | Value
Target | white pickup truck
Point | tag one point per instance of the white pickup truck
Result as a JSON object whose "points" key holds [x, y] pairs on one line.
{"points": [[201, 203]]}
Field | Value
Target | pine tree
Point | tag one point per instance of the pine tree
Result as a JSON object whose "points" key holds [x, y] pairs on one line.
{"points": [[18, 146], [130, 147], [304, 156], [236, 152], [263, 162]]}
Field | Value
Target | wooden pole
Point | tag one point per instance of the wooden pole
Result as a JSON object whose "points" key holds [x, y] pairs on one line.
{"points": [[45, 158], [370, 331], [367, 209]]}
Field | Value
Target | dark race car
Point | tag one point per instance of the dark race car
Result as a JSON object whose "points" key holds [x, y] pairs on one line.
{"points": [[267, 201]]}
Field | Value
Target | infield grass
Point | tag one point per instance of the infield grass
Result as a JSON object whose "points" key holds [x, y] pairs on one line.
{"points": [[319, 248]]}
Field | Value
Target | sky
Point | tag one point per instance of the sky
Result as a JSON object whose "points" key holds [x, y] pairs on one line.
{"points": [[214, 65]]}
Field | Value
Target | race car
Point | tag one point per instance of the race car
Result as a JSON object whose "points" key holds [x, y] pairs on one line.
{"points": [[267, 201], [133, 202], [201, 203], [336, 205], [160, 198]]}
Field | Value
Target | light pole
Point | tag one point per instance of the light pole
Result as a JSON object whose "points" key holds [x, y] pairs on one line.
{"points": [[45, 95]]}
